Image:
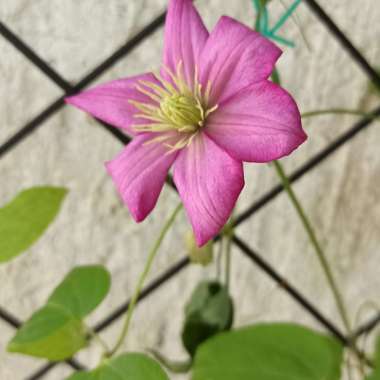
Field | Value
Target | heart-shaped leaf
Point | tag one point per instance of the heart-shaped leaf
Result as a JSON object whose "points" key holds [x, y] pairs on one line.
{"points": [[269, 352], [51, 333], [209, 312], [26, 217], [125, 367], [56, 331], [82, 290]]}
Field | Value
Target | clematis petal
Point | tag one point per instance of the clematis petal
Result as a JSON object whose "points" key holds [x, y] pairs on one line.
{"points": [[209, 182], [234, 57], [185, 37], [110, 101], [139, 173], [259, 124]]}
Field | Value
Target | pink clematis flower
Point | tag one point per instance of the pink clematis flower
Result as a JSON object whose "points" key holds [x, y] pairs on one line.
{"points": [[210, 108]]}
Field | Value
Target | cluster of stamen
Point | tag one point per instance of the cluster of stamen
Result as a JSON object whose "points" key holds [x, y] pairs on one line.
{"points": [[176, 107]]}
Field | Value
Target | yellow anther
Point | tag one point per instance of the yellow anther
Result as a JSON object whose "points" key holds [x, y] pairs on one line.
{"points": [[177, 106]]}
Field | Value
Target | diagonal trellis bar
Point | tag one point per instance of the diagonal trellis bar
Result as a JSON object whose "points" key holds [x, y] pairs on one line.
{"points": [[9, 318], [366, 327], [300, 172], [85, 81], [344, 41], [167, 275], [64, 85], [291, 290], [23, 48]]}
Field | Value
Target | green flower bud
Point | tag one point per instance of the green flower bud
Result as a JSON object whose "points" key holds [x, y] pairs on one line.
{"points": [[203, 255]]}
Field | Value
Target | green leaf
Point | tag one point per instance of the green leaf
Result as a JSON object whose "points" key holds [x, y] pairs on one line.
{"points": [[26, 217], [56, 331], [51, 333], [82, 290], [125, 367], [375, 375], [209, 312], [81, 376], [269, 352]]}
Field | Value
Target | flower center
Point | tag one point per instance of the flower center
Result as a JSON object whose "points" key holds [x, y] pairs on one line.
{"points": [[184, 112], [176, 107]]}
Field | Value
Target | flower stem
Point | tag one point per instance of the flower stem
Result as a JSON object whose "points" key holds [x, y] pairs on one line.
{"points": [[300, 27], [227, 239], [97, 338], [140, 283], [219, 259], [285, 16], [338, 111], [228, 262], [315, 243], [172, 365]]}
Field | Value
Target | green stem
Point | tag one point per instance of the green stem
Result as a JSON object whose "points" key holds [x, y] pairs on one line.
{"points": [[219, 259], [228, 260], [309, 229], [227, 237], [96, 337], [285, 16], [172, 365], [140, 283], [300, 27], [314, 241], [337, 111]]}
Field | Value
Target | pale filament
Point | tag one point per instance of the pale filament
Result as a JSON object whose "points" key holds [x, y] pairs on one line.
{"points": [[177, 107]]}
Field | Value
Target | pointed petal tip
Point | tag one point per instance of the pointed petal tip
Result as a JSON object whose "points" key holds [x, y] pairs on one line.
{"points": [[209, 182], [109, 101], [185, 37], [70, 99], [293, 145], [297, 142], [303, 136], [300, 136], [259, 124], [138, 217], [78, 101], [201, 240]]}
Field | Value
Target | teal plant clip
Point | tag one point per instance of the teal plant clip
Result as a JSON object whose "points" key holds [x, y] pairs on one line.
{"points": [[262, 21]]}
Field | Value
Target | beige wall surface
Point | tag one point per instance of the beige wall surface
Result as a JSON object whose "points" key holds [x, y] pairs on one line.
{"points": [[342, 195]]}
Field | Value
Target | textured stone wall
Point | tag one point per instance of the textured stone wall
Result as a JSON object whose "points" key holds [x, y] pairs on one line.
{"points": [[342, 196]]}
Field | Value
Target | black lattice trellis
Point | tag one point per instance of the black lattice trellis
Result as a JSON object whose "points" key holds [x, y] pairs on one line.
{"points": [[256, 259]]}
